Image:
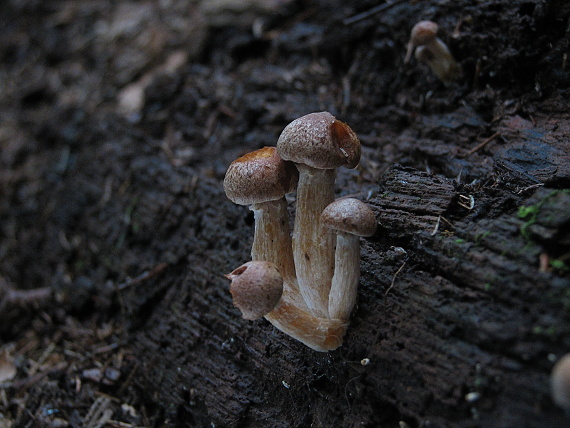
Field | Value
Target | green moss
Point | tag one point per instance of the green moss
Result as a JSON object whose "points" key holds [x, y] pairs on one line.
{"points": [[530, 213], [481, 236], [550, 331], [559, 264]]}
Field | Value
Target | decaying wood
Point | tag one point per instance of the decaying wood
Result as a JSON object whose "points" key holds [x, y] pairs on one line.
{"points": [[469, 328], [117, 123]]}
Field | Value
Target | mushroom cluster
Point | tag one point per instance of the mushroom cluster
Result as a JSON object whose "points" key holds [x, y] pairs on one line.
{"points": [[304, 283], [432, 51]]}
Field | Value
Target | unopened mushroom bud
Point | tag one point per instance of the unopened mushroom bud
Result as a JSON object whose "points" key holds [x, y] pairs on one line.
{"points": [[256, 288], [560, 382], [430, 50], [318, 144], [261, 179], [351, 219]]}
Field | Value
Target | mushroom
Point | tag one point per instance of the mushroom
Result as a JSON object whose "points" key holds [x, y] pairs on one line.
{"points": [[432, 51], [560, 382], [261, 179], [350, 218], [256, 288], [318, 144]]}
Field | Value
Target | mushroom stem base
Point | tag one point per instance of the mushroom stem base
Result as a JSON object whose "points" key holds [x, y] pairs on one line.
{"points": [[319, 334]]}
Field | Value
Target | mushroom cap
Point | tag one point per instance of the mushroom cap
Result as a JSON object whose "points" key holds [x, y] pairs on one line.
{"points": [[259, 176], [423, 32], [319, 141], [349, 215], [560, 382], [256, 288]]}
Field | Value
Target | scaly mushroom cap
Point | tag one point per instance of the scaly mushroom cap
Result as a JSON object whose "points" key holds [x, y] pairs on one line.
{"points": [[349, 215], [256, 288], [259, 176], [423, 32], [319, 141]]}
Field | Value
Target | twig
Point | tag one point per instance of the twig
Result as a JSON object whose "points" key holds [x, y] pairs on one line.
{"points": [[467, 202], [144, 276], [393, 282], [99, 413], [119, 424], [37, 364], [22, 298], [483, 143], [26, 383], [534, 186], [436, 228], [370, 12]]}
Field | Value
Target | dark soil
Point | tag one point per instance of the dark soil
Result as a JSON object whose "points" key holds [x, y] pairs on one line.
{"points": [[117, 123]]}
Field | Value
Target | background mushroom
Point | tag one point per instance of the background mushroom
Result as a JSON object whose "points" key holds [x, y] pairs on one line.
{"points": [[431, 50], [560, 382]]}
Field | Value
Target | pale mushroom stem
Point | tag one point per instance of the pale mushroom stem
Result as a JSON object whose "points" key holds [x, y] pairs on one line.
{"points": [[313, 244], [272, 243], [320, 334], [344, 286], [439, 59]]}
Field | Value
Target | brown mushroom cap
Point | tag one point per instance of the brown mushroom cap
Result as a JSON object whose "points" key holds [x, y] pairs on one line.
{"points": [[423, 32], [349, 215], [319, 141], [560, 382], [256, 288], [259, 176]]}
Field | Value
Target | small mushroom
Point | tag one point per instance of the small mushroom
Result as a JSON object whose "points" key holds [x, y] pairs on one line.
{"points": [[430, 50], [256, 288], [560, 382], [318, 144], [351, 219], [261, 179]]}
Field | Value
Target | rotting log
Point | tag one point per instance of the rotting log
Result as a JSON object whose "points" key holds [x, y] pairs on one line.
{"points": [[459, 319]]}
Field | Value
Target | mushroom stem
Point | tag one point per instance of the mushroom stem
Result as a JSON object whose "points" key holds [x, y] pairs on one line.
{"points": [[320, 334], [350, 218], [437, 56], [344, 286], [272, 243], [272, 236], [313, 244]]}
